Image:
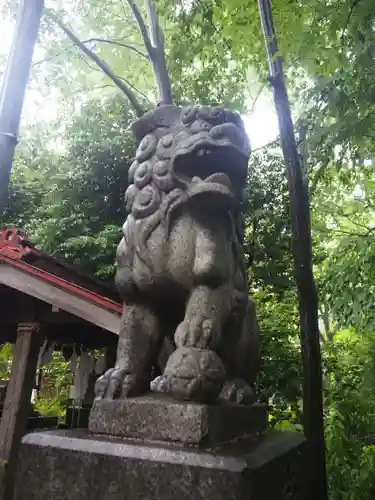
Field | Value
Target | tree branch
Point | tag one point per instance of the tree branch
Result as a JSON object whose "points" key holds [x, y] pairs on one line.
{"points": [[41, 61], [134, 88], [120, 44], [341, 213], [142, 27], [275, 143], [154, 43], [265, 85], [152, 23], [120, 77], [346, 233], [258, 94], [354, 5], [99, 87], [102, 64]]}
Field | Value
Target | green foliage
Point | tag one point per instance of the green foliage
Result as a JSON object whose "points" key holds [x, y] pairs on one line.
{"points": [[280, 376], [72, 203], [350, 416], [350, 283], [194, 64], [82, 214], [34, 163], [56, 383], [71, 172], [344, 240], [268, 231], [6, 356], [327, 48], [268, 248]]}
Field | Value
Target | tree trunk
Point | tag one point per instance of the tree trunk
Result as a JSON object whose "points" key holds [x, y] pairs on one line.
{"points": [[14, 86], [302, 250]]}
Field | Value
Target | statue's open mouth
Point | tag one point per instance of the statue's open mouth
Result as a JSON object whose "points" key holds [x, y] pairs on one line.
{"points": [[203, 157], [218, 183]]}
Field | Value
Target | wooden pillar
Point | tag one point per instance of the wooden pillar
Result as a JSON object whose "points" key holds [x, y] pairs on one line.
{"points": [[17, 400]]}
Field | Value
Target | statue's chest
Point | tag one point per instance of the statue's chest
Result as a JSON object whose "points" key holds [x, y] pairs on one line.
{"points": [[196, 250]]}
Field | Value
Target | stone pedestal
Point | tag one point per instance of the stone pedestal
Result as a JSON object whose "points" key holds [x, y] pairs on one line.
{"points": [[155, 448], [74, 465], [161, 418]]}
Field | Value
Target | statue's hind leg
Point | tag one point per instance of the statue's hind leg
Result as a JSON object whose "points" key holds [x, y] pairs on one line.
{"points": [[139, 343]]}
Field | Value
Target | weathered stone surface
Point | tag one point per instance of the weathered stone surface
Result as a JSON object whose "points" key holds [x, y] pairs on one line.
{"points": [[180, 264], [71, 465], [160, 418]]}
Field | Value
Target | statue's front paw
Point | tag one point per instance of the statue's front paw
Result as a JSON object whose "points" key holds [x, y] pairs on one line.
{"points": [[160, 384], [109, 385], [237, 391], [115, 383], [197, 333]]}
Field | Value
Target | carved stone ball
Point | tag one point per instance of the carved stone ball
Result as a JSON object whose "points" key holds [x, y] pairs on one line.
{"points": [[195, 374]]}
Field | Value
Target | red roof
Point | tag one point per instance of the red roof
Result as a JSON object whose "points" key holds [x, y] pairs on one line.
{"points": [[17, 251]]}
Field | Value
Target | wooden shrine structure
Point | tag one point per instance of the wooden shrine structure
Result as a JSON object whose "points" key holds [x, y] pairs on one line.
{"points": [[44, 299]]}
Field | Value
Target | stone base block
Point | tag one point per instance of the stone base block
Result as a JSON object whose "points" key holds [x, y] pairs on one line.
{"points": [[161, 418], [74, 465]]}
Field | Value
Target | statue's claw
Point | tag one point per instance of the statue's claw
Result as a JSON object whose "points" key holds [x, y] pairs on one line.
{"points": [[159, 384], [237, 391], [108, 386], [118, 383]]}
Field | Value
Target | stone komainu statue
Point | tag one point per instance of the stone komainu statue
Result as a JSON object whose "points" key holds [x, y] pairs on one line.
{"points": [[181, 270]]}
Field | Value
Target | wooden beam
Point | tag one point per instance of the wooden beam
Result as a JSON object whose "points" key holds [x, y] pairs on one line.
{"points": [[35, 287], [86, 335], [17, 400], [18, 307]]}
